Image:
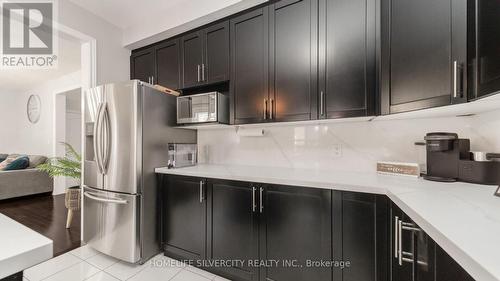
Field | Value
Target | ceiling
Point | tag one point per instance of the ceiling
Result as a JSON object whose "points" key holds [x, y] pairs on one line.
{"points": [[23, 80]]}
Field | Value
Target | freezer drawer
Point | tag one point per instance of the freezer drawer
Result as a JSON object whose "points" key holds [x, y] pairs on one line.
{"points": [[111, 223]]}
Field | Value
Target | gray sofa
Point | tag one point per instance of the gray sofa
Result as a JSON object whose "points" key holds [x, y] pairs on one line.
{"points": [[25, 182]]}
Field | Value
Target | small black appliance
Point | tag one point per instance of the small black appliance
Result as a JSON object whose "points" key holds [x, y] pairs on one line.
{"points": [[444, 152]]}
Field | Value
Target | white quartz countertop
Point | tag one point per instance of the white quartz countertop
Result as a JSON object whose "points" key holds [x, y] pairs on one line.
{"points": [[20, 247], [464, 219]]}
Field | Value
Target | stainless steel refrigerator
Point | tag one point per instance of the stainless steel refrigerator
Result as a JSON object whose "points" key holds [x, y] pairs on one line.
{"points": [[127, 130]]}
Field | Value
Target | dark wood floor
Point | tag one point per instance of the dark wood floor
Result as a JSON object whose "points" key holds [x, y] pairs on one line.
{"points": [[46, 214]]}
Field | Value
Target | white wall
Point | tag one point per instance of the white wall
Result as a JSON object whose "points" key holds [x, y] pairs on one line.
{"points": [[363, 143], [112, 58], [17, 134], [67, 128]]}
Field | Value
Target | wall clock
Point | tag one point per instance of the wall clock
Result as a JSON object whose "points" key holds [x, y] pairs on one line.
{"points": [[33, 108]]}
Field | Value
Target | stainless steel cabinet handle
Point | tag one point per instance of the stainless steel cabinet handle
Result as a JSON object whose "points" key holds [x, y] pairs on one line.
{"points": [[261, 190], [455, 79], [396, 237], [322, 103], [105, 200], [404, 256], [265, 109], [407, 257], [201, 191], [202, 72], [253, 199], [411, 228], [198, 72], [400, 244], [152, 80], [271, 110]]}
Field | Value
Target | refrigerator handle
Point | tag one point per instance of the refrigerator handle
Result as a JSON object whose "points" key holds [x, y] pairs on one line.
{"points": [[105, 200], [97, 138], [106, 138]]}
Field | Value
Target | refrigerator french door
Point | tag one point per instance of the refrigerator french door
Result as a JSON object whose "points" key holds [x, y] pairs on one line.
{"points": [[127, 130]]}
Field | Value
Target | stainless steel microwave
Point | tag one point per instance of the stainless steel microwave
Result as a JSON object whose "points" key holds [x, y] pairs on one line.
{"points": [[203, 108]]}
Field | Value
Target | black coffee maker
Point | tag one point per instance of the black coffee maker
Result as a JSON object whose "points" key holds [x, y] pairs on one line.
{"points": [[444, 152]]}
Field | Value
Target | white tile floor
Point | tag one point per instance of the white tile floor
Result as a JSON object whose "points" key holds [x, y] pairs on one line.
{"points": [[85, 263]]}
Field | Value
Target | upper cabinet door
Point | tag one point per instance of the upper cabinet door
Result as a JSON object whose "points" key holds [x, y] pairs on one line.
{"points": [[168, 64], [216, 65], [293, 60], [347, 56], [142, 65], [192, 59], [424, 54], [249, 67], [485, 55]]}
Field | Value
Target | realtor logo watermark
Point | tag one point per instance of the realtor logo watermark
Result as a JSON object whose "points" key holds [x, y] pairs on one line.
{"points": [[29, 39]]}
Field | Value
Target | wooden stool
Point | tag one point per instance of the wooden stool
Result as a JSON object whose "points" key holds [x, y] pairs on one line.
{"points": [[72, 202]]}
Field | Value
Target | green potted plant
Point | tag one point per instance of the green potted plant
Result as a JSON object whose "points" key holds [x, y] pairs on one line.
{"points": [[67, 166]]}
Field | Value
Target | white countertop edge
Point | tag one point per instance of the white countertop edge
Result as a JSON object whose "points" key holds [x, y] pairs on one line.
{"points": [[264, 180], [26, 260], [472, 266], [463, 259]]}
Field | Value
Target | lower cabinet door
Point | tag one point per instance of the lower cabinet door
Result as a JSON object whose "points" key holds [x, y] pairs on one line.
{"points": [[360, 236], [233, 229], [448, 269], [401, 241], [184, 217], [424, 257], [295, 229]]}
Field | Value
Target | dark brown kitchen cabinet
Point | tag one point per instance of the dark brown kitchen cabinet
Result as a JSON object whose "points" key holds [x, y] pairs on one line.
{"points": [[205, 56], [216, 40], [424, 62], [214, 220], [448, 269], [192, 59], [402, 267], [142, 65], [484, 56], [360, 236], [347, 57], [233, 227], [184, 216], [416, 257], [295, 227], [293, 60], [158, 64], [168, 67], [249, 88]]}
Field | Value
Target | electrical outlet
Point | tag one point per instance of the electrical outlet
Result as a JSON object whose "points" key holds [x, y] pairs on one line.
{"points": [[337, 150]]}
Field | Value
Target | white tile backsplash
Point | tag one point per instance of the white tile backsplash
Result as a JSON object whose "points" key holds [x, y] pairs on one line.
{"points": [[362, 143]]}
